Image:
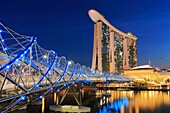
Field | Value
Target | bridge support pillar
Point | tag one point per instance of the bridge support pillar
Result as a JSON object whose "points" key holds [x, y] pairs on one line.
{"points": [[69, 108]]}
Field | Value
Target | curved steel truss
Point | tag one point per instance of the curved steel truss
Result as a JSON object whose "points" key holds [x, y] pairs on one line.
{"points": [[26, 68]]}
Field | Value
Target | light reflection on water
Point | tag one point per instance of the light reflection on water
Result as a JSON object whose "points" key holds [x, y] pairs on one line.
{"points": [[116, 105], [118, 102], [136, 102]]}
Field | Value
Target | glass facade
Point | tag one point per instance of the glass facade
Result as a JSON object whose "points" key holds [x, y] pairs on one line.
{"points": [[105, 47], [111, 47], [118, 52], [132, 53]]}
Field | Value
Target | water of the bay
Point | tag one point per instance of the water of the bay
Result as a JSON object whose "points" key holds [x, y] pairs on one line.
{"points": [[118, 102]]}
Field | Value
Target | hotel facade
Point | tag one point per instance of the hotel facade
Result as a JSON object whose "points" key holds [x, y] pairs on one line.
{"points": [[113, 50]]}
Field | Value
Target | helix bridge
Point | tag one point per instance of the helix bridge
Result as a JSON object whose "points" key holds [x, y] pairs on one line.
{"points": [[27, 69]]}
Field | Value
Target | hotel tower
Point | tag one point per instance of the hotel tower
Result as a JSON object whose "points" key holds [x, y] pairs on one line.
{"points": [[113, 50]]}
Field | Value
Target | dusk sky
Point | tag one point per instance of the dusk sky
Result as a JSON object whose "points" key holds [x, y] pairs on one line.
{"points": [[64, 25]]}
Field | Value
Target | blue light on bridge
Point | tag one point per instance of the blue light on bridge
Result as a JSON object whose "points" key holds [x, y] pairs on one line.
{"points": [[40, 96], [5, 49], [7, 67], [43, 77], [58, 90], [23, 98], [13, 60], [54, 52], [49, 72], [37, 85], [58, 82], [51, 88], [0, 31], [25, 52], [22, 55]]}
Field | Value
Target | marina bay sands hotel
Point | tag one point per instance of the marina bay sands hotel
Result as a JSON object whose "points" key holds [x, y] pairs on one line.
{"points": [[113, 50]]}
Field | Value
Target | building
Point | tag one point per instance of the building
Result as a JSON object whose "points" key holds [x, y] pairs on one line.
{"points": [[113, 50], [147, 73]]}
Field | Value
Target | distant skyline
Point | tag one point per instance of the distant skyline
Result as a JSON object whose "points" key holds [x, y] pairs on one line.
{"points": [[64, 25]]}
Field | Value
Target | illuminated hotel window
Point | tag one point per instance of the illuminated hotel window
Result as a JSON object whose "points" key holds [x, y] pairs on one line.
{"points": [[112, 59], [118, 52], [132, 53], [105, 47]]}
